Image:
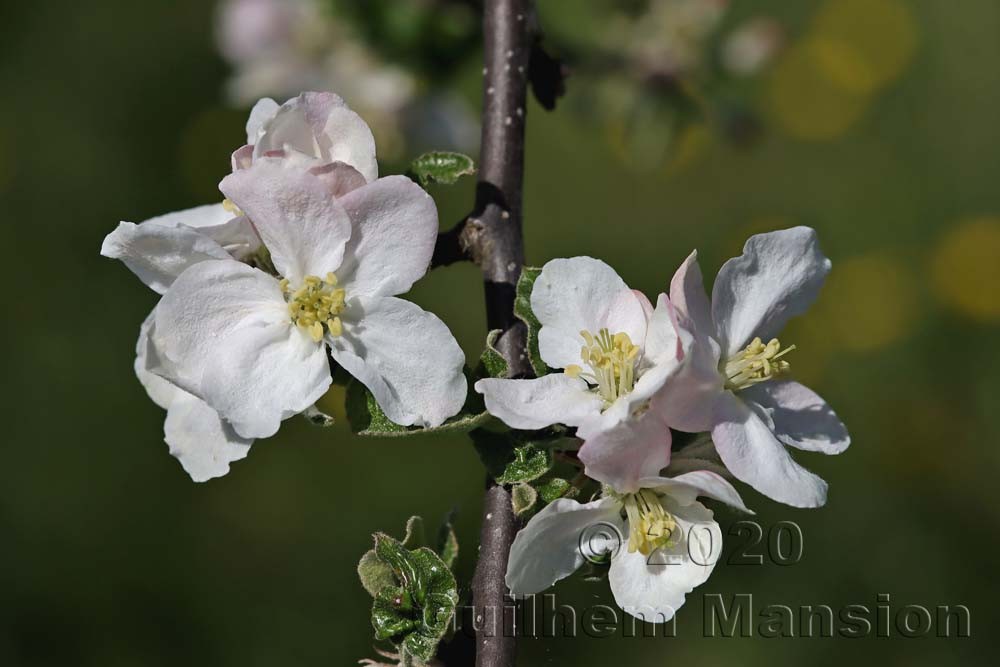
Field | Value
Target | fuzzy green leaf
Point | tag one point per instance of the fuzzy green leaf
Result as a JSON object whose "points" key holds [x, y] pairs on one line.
{"points": [[448, 542], [529, 464], [368, 419], [415, 610], [443, 167], [491, 363], [554, 489], [522, 309], [523, 498]]}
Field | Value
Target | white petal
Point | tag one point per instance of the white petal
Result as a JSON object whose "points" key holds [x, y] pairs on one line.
{"points": [[532, 404], [265, 375], [685, 488], [301, 224], [776, 278], [203, 443], [751, 452], [160, 391], [574, 295], [394, 229], [322, 126], [799, 416], [666, 347], [223, 334], [654, 587], [687, 293], [158, 250], [261, 114], [199, 217], [406, 357], [552, 546], [621, 456]]}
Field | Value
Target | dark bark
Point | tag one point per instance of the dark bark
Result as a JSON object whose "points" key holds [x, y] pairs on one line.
{"points": [[492, 237]]}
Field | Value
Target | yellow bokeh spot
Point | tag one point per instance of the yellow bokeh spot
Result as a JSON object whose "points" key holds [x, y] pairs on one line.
{"points": [[808, 96], [965, 269], [869, 302], [881, 36], [824, 83]]}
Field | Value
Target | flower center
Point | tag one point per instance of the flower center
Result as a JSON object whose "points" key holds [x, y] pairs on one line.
{"points": [[650, 526], [611, 359], [315, 305], [757, 363]]}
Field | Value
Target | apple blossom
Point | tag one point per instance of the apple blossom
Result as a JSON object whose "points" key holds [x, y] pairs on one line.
{"points": [[157, 251], [672, 542], [254, 345], [313, 125], [615, 351], [732, 383]]}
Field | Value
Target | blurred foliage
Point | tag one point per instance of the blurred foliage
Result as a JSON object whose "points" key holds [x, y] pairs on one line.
{"points": [[111, 556]]}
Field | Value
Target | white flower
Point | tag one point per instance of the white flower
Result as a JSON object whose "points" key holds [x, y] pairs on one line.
{"points": [[732, 381], [615, 350], [313, 126], [672, 542], [253, 345], [157, 251]]}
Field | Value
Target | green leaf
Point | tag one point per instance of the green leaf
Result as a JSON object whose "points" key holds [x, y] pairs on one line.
{"points": [[443, 167], [414, 537], [374, 574], [522, 309], [414, 612], [491, 363], [523, 498], [368, 419], [554, 489], [529, 464], [447, 541], [495, 451]]}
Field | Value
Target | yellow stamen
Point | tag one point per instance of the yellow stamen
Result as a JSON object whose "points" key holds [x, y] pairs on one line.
{"points": [[612, 361], [650, 525], [229, 206], [315, 305], [757, 363]]}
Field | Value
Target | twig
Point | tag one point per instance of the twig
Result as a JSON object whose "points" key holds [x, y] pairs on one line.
{"points": [[492, 237]]}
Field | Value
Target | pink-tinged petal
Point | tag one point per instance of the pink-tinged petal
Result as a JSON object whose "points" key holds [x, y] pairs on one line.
{"points": [[687, 293], [532, 404], [799, 416], [636, 448], [777, 277], [558, 540], [242, 157], [339, 177], [406, 357], [686, 488], [752, 453], [300, 223], [204, 444], [654, 587], [321, 125], [666, 347], [261, 114], [574, 295], [394, 229]]}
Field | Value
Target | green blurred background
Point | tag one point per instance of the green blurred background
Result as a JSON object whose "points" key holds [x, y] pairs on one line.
{"points": [[110, 555]]}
